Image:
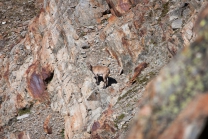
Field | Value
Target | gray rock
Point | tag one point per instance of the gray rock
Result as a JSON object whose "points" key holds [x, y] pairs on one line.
{"points": [[23, 33], [177, 24]]}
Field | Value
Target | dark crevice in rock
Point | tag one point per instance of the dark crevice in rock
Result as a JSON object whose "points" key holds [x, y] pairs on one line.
{"points": [[185, 5], [1, 100], [106, 12], [49, 78], [204, 133], [12, 120]]}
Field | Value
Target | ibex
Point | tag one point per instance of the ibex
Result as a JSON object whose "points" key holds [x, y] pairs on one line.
{"points": [[100, 71]]}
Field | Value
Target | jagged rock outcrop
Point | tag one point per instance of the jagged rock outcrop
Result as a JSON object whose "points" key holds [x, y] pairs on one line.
{"points": [[49, 65]]}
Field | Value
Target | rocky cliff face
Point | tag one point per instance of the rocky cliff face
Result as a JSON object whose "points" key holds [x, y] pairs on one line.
{"points": [[47, 71]]}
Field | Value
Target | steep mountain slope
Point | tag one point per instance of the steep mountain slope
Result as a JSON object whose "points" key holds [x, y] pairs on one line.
{"points": [[46, 72]]}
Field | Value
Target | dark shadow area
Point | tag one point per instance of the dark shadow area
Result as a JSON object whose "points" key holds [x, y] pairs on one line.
{"points": [[106, 12], [121, 72], [110, 80], [185, 5], [49, 78], [204, 133], [100, 78], [1, 100]]}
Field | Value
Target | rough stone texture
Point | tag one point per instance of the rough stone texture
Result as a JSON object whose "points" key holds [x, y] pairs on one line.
{"points": [[174, 103], [48, 66]]}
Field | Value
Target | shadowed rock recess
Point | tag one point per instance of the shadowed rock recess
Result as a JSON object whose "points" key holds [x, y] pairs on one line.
{"points": [[48, 92]]}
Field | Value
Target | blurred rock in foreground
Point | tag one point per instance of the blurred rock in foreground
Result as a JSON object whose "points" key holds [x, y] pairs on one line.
{"points": [[175, 103]]}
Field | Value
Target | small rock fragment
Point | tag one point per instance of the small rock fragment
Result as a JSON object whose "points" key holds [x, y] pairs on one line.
{"points": [[177, 24], [23, 33], [46, 128], [23, 116]]}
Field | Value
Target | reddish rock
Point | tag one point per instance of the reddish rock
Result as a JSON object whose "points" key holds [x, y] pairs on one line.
{"points": [[112, 19], [138, 70], [36, 86], [119, 7], [19, 135], [108, 127], [102, 36], [20, 101], [95, 126], [37, 79], [46, 127]]}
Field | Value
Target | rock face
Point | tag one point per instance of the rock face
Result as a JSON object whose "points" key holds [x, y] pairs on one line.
{"points": [[49, 66], [174, 103]]}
